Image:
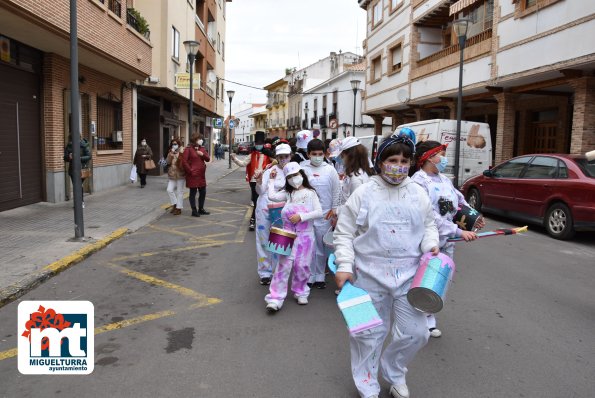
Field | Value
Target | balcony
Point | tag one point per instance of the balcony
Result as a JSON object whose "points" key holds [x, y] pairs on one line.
{"points": [[114, 6], [137, 22], [475, 46], [322, 121]]}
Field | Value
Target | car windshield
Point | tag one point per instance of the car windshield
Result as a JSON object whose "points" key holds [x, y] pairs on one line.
{"points": [[587, 167]]}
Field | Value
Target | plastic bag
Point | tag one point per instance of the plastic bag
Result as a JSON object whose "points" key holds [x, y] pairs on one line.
{"points": [[133, 173]]}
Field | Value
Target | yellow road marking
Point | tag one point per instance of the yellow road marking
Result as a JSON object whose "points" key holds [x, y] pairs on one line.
{"points": [[8, 354], [231, 203], [177, 249], [133, 321], [202, 300], [242, 229]]}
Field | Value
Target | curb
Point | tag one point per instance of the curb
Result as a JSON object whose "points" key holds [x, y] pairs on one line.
{"points": [[18, 289]]}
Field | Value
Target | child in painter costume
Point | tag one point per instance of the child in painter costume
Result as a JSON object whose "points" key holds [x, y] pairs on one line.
{"points": [[301, 208], [431, 161], [382, 231]]}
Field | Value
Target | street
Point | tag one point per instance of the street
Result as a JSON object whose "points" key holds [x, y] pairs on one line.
{"points": [[179, 312]]}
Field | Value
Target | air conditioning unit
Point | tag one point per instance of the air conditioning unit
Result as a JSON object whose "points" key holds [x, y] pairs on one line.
{"points": [[117, 136]]}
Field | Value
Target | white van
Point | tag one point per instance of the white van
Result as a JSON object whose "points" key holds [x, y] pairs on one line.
{"points": [[475, 146]]}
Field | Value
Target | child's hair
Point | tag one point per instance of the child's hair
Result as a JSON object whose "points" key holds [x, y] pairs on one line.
{"points": [[423, 147], [398, 148], [327, 143], [356, 159], [315, 145], [289, 189]]}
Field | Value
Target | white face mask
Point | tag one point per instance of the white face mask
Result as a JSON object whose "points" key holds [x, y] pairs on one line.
{"points": [[174, 147], [143, 143], [296, 181], [200, 142], [316, 160]]}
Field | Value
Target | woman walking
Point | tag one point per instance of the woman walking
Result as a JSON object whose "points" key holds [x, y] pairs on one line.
{"points": [[176, 177], [143, 152], [193, 160]]}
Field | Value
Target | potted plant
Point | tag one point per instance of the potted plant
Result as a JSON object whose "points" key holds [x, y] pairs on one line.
{"points": [[140, 23]]}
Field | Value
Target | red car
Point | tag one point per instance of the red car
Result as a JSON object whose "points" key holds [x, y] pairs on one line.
{"points": [[553, 190]]}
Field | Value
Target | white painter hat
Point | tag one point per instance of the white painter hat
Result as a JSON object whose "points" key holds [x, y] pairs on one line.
{"points": [[282, 149], [303, 138], [349, 142], [335, 147], [291, 168]]}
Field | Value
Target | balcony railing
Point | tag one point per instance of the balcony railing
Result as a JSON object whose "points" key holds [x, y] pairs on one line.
{"points": [[322, 121], [485, 35]]}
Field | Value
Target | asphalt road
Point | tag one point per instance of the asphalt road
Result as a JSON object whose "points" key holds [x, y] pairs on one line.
{"points": [[179, 312]]}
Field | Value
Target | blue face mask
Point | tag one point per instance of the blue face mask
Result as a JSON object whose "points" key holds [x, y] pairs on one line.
{"points": [[258, 147], [442, 165]]}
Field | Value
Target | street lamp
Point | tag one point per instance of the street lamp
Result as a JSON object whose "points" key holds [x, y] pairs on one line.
{"points": [[460, 27], [230, 94], [306, 112], [354, 87], [191, 47]]}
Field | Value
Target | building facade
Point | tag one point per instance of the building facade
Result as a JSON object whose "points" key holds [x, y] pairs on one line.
{"points": [[35, 95], [528, 70], [277, 108], [245, 129]]}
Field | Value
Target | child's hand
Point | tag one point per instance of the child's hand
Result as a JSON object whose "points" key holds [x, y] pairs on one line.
{"points": [[435, 250], [331, 214], [480, 223], [295, 218], [342, 277], [469, 235]]}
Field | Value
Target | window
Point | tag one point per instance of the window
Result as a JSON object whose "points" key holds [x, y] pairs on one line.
{"points": [[175, 43], [396, 58], [377, 13], [526, 7], [512, 169], [542, 167], [218, 42], [223, 50], [376, 69], [109, 125], [394, 4]]}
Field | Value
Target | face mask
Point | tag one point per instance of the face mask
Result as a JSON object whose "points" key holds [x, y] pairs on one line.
{"points": [[316, 160], [258, 147], [394, 174], [283, 162], [199, 142], [442, 165], [174, 147], [296, 181], [143, 143]]}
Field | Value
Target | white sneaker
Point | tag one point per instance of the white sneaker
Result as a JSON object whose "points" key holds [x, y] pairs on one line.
{"points": [[83, 205], [399, 391], [435, 333], [373, 396], [302, 300], [272, 307]]}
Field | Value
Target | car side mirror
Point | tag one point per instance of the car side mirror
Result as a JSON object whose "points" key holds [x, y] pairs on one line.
{"points": [[488, 173]]}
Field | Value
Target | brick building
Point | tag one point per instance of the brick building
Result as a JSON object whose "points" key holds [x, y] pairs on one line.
{"points": [[528, 69], [35, 96]]}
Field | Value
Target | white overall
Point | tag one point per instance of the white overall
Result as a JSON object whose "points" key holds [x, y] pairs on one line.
{"points": [[266, 261], [392, 227]]}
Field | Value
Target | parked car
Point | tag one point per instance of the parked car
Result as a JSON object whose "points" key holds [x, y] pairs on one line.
{"points": [[553, 190], [225, 147], [243, 148]]}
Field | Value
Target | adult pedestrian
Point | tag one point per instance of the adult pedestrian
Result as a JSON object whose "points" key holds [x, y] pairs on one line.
{"points": [[176, 177], [216, 149], [143, 152], [85, 156], [301, 144], [193, 160], [255, 165]]}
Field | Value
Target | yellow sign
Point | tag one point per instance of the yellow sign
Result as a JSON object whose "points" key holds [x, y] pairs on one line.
{"points": [[4, 49], [183, 80]]}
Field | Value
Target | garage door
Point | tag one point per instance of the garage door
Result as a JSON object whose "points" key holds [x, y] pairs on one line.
{"points": [[20, 139]]}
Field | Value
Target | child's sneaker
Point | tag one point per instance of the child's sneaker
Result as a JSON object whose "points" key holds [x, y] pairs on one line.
{"points": [[302, 300], [399, 391], [272, 307], [265, 281], [435, 333], [320, 285]]}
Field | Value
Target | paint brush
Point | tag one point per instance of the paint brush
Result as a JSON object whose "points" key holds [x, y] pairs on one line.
{"points": [[496, 232], [355, 305]]}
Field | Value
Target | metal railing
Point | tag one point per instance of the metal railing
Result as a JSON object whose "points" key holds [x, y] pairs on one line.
{"points": [[485, 35]]}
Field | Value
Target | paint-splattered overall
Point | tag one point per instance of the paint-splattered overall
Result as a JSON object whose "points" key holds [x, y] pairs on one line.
{"points": [[298, 261], [265, 259]]}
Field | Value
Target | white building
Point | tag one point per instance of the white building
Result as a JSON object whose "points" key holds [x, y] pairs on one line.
{"points": [[528, 68], [244, 130]]}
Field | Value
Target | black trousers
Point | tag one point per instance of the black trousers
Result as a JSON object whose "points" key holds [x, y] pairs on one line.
{"points": [[254, 197], [143, 179], [82, 189], [202, 195]]}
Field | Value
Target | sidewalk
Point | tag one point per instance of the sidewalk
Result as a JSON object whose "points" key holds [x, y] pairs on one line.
{"points": [[37, 239]]}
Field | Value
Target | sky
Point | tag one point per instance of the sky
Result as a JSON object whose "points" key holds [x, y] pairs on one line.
{"points": [[264, 37]]}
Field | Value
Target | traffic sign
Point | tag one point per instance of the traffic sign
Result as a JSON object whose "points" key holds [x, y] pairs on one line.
{"points": [[231, 124], [218, 122]]}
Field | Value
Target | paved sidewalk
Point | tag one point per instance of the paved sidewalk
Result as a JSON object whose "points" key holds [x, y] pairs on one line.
{"points": [[37, 240]]}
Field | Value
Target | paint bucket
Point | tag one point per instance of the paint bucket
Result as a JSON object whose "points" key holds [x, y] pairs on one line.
{"points": [[280, 241], [430, 283], [327, 241], [275, 214], [467, 218]]}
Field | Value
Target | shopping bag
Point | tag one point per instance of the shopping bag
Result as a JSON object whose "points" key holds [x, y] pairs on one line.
{"points": [[85, 173], [133, 173], [149, 164]]}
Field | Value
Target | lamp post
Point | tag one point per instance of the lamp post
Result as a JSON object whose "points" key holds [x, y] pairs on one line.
{"points": [[354, 87], [460, 27], [306, 112], [230, 94], [191, 47]]}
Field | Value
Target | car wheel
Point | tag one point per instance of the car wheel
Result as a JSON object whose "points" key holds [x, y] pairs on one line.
{"points": [[558, 221], [474, 199]]}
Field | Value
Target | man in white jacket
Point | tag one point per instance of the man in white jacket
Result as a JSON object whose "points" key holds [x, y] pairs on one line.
{"points": [[325, 180], [382, 231]]}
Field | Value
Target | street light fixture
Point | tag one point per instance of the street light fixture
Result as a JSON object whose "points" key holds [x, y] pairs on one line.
{"points": [[191, 47], [354, 87], [306, 111], [460, 27], [230, 94]]}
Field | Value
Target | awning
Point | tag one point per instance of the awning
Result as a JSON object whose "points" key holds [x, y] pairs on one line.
{"points": [[461, 5]]}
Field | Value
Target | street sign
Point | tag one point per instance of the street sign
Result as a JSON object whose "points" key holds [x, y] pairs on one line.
{"points": [[217, 122], [333, 123], [183, 80], [231, 124]]}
